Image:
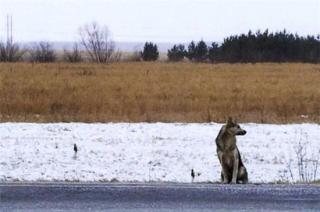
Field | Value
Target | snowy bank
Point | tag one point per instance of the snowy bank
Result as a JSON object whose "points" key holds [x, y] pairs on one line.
{"points": [[147, 152]]}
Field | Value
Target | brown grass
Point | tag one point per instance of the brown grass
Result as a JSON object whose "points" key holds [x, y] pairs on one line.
{"points": [[168, 92]]}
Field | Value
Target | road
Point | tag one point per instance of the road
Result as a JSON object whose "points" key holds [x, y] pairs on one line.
{"points": [[158, 197]]}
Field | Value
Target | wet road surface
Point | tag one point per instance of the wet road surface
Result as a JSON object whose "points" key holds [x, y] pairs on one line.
{"points": [[158, 197]]}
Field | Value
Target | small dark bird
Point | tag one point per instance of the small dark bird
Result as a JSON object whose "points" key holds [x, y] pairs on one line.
{"points": [[192, 174], [75, 148]]}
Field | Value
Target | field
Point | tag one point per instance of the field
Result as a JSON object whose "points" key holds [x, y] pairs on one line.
{"points": [[153, 152], [159, 92]]}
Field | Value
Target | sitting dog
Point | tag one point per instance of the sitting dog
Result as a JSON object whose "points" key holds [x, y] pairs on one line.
{"points": [[233, 170]]}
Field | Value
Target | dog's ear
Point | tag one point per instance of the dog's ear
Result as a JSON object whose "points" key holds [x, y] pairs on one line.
{"points": [[235, 121], [229, 122]]}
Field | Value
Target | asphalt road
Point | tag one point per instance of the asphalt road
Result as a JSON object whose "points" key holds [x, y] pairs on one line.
{"points": [[158, 197]]}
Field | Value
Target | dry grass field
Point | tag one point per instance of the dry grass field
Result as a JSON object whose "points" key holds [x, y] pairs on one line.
{"points": [[166, 92]]}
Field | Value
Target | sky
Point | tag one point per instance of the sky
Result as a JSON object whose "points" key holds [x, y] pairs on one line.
{"points": [[157, 20]]}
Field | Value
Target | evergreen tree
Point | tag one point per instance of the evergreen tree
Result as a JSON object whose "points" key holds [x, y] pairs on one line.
{"points": [[190, 54], [150, 52], [201, 52], [213, 52], [176, 53]]}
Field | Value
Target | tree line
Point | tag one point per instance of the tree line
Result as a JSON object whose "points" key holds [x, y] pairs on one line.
{"points": [[252, 47], [95, 45]]}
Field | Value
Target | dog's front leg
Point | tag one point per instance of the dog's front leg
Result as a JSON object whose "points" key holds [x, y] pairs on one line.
{"points": [[224, 175], [235, 167]]}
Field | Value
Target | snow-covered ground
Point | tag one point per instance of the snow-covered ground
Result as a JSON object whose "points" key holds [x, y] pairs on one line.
{"points": [[148, 152]]}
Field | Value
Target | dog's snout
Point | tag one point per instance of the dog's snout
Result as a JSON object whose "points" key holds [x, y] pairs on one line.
{"points": [[242, 132]]}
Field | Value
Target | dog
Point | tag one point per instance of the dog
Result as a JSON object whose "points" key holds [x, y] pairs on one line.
{"points": [[233, 169]]}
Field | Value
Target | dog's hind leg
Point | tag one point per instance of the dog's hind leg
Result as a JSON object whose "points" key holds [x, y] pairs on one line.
{"points": [[242, 175]]}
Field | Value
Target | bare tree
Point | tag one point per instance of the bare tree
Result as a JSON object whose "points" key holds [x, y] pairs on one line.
{"points": [[307, 162], [43, 52], [74, 55], [10, 52], [97, 42]]}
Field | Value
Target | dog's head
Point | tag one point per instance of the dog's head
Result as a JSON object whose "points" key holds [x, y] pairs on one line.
{"points": [[233, 128]]}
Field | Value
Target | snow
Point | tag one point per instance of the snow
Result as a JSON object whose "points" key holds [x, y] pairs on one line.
{"points": [[143, 152]]}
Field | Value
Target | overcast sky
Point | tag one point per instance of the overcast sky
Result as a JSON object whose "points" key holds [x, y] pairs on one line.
{"points": [[158, 20]]}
